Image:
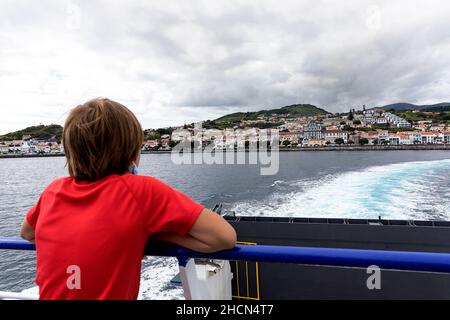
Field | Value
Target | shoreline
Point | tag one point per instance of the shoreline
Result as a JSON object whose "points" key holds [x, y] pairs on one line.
{"points": [[441, 147], [445, 147]]}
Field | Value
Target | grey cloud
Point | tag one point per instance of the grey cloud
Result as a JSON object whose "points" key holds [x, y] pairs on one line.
{"points": [[213, 57]]}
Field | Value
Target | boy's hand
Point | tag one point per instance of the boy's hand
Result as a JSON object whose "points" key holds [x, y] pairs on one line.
{"points": [[27, 231]]}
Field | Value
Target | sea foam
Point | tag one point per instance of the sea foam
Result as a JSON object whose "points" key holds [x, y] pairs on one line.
{"points": [[412, 190]]}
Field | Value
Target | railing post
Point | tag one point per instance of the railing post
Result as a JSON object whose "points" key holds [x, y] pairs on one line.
{"points": [[205, 279], [183, 265]]}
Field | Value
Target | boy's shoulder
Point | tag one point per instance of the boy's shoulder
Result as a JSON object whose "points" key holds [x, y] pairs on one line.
{"points": [[141, 183], [58, 182], [135, 183], [55, 185], [136, 178], [141, 186]]}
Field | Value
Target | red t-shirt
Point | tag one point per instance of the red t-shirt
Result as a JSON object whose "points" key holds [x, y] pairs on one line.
{"points": [[90, 237]]}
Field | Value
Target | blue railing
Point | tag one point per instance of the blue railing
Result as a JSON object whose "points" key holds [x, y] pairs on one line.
{"points": [[389, 260]]}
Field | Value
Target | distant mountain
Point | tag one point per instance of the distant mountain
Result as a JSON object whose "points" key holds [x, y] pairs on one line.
{"points": [[40, 132], [438, 108], [445, 106], [300, 110]]}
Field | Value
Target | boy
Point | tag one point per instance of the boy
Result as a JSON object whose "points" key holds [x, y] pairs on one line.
{"points": [[90, 228]]}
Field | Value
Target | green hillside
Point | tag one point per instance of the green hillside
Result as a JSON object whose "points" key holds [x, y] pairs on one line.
{"points": [[298, 110], [439, 107], [441, 117], [40, 132]]}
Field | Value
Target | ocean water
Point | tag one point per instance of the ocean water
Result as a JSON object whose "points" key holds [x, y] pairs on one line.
{"points": [[390, 184], [417, 190]]}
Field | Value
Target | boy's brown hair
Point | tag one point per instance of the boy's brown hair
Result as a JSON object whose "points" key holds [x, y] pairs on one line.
{"points": [[100, 138]]}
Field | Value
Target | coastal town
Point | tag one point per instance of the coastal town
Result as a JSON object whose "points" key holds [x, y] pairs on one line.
{"points": [[28, 145], [356, 128], [366, 127]]}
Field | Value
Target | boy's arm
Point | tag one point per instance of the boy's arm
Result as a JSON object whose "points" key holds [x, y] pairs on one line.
{"points": [[27, 231], [188, 242], [210, 233]]}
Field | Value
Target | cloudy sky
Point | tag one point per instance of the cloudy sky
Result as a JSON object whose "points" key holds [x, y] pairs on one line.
{"points": [[181, 61]]}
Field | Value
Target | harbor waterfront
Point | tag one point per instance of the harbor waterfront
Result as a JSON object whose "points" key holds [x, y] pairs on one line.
{"points": [[359, 184], [293, 149], [292, 128]]}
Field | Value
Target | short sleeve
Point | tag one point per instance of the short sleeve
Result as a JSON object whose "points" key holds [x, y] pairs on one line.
{"points": [[33, 214], [169, 210]]}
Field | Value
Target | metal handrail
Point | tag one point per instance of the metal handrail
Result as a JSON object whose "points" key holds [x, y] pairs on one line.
{"points": [[388, 260], [5, 295]]}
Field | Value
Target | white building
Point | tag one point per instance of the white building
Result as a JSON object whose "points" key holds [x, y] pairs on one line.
{"points": [[332, 135], [396, 121], [428, 137], [446, 137], [313, 131], [25, 147], [415, 138], [382, 121], [405, 139], [180, 135]]}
